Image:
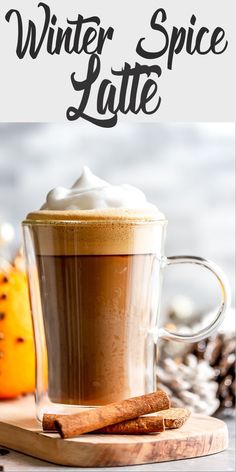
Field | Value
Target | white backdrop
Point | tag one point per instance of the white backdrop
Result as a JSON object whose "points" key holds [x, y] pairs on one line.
{"points": [[199, 88]]}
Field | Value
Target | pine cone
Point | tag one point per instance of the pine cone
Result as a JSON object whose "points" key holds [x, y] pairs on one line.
{"points": [[219, 352], [190, 383], [216, 352]]}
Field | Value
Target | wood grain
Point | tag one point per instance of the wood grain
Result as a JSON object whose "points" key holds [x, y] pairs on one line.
{"points": [[199, 436]]}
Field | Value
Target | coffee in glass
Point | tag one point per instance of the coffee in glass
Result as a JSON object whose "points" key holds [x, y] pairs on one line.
{"points": [[95, 283]]}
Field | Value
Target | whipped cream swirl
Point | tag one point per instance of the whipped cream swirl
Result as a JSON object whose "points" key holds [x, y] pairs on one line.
{"points": [[91, 193]]}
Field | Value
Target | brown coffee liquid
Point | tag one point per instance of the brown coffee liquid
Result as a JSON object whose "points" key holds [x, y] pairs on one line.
{"points": [[97, 311]]}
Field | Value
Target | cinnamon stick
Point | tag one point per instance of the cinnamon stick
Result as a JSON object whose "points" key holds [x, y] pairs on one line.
{"points": [[73, 425], [48, 422], [141, 425], [174, 417]]}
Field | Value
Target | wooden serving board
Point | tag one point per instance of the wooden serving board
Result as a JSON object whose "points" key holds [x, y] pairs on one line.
{"points": [[201, 435]]}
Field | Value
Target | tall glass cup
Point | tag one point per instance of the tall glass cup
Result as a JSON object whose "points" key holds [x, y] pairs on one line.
{"points": [[95, 289]]}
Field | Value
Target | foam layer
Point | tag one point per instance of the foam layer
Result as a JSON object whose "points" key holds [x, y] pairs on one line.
{"points": [[90, 192], [147, 214], [97, 232]]}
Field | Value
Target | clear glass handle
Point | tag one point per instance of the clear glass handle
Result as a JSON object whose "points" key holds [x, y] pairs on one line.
{"points": [[225, 299]]}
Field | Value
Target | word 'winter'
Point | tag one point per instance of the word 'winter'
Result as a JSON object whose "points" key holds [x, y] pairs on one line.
{"points": [[74, 39]]}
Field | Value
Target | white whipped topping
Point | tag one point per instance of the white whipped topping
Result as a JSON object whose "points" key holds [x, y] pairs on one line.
{"points": [[90, 193]]}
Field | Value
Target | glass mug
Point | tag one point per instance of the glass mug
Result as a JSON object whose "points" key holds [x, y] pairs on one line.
{"points": [[95, 291]]}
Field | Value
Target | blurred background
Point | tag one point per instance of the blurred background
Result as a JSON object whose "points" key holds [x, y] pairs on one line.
{"points": [[187, 170]]}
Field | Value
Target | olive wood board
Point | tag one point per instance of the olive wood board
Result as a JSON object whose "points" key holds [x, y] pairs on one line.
{"points": [[199, 436]]}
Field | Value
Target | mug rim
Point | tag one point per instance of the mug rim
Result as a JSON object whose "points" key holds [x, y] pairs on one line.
{"points": [[98, 221], [103, 216]]}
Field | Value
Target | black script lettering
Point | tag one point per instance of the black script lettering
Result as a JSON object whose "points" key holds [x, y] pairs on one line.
{"points": [[85, 86], [149, 91], [62, 37], [176, 44], [189, 48], [135, 73], [90, 35], [154, 55], [72, 39], [108, 104], [181, 38], [217, 37], [30, 41], [192, 47], [127, 101]]}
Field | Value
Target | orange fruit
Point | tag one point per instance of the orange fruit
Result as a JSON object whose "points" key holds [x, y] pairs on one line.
{"points": [[17, 354]]}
